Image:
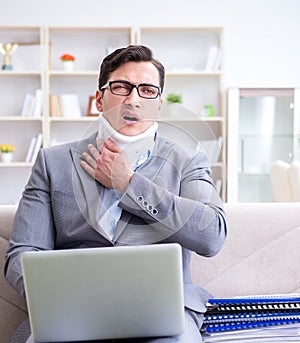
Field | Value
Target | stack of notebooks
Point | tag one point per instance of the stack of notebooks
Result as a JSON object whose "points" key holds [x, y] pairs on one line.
{"points": [[274, 318]]}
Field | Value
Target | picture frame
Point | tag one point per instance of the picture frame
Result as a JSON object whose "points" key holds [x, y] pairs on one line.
{"points": [[92, 109]]}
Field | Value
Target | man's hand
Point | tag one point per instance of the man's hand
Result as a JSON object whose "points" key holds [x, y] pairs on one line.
{"points": [[108, 164]]}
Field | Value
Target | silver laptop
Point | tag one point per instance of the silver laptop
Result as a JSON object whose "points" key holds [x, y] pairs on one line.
{"points": [[104, 293]]}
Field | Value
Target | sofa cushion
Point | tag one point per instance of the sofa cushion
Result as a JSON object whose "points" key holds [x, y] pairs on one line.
{"points": [[260, 255]]}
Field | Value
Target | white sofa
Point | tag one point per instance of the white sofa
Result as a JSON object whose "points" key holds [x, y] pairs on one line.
{"points": [[285, 180], [261, 253], [260, 256]]}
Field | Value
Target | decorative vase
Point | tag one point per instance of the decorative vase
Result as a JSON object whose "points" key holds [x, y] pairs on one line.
{"points": [[68, 65], [207, 111], [7, 156]]}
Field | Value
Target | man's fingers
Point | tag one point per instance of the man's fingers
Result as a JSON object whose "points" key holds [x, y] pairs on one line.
{"points": [[94, 151], [110, 145], [90, 170], [99, 144], [89, 159]]}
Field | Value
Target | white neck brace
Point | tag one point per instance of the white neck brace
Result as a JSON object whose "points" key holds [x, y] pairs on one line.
{"points": [[137, 148]]}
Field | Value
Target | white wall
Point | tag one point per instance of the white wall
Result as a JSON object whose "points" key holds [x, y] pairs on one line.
{"points": [[261, 36]]}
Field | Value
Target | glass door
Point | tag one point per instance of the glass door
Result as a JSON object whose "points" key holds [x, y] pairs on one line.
{"points": [[262, 128]]}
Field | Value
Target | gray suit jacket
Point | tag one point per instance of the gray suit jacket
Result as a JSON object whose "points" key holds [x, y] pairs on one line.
{"points": [[171, 198]]}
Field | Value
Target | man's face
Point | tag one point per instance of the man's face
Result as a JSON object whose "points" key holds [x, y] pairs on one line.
{"points": [[130, 115]]}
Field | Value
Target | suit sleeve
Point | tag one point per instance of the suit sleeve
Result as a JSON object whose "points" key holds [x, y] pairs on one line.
{"points": [[182, 203], [33, 227]]}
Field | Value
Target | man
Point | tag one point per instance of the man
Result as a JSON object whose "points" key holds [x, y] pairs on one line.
{"points": [[125, 185]]}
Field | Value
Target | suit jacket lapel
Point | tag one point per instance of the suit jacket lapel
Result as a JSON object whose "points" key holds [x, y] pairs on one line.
{"points": [[88, 192]]}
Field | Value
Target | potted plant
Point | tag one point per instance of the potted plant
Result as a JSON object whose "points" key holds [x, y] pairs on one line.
{"points": [[7, 152], [173, 101], [174, 98], [68, 61]]}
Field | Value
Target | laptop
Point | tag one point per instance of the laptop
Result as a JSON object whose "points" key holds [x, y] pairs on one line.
{"points": [[104, 293]]}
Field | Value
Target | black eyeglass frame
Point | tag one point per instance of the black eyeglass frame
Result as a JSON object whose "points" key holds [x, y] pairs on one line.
{"points": [[110, 83]]}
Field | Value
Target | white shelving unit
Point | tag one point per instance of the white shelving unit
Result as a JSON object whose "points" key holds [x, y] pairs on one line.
{"points": [[36, 65], [89, 45], [26, 77], [184, 51]]}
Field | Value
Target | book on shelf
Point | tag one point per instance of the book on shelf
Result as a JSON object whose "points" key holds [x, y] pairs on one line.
{"points": [[32, 104], [28, 105], [54, 108], [38, 107], [64, 105], [70, 106], [252, 319], [214, 58], [212, 148], [34, 147], [30, 149]]}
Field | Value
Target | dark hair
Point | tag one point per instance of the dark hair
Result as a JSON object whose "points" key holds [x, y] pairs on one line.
{"points": [[132, 53]]}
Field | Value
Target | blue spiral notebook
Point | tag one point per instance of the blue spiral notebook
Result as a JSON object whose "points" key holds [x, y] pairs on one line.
{"points": [[248, 313]]}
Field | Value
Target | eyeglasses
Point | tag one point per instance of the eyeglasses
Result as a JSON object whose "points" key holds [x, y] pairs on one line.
{"points": [[124, 88]]}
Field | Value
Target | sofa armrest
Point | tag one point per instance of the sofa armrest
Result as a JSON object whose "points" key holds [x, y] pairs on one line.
{"points": [[7, 214], [12, 306]]}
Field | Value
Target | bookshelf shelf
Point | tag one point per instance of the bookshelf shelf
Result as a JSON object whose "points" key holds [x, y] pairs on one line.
{"points": [[15, 165], [82, 119], [19, 118], [183, 50], [12, 73], [194, 118], [73, 73]]}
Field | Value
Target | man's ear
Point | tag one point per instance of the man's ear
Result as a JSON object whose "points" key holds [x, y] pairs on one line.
{"points": [[160, 104], [99, 101]]}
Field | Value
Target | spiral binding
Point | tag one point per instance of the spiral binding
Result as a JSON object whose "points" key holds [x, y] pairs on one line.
{"points": [[242, 313]]}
